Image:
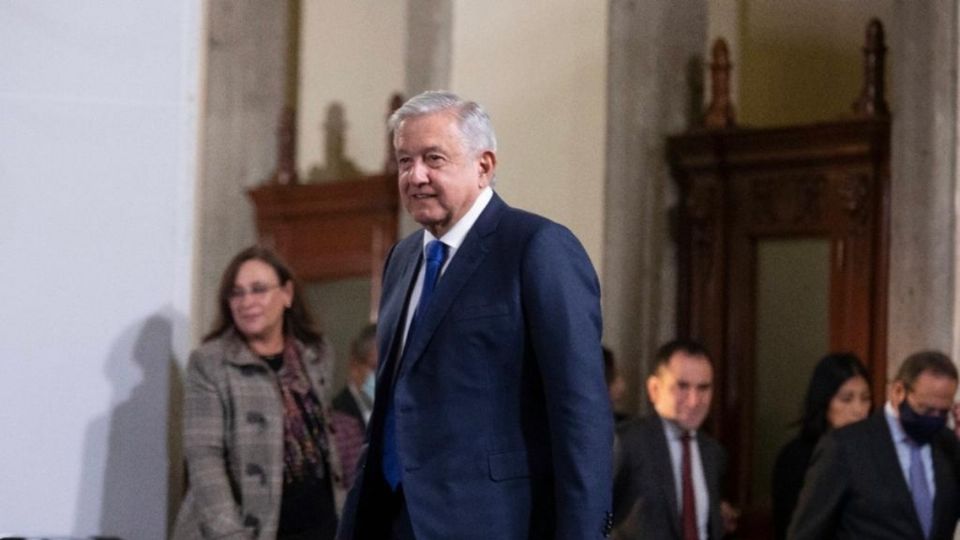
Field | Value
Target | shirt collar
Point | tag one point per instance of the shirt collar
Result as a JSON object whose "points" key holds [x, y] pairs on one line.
{"points": [[674, 431], [454, 237], [893, 420]]}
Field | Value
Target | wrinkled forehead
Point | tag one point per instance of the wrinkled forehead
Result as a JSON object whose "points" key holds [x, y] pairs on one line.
{"points": [[437, 128]]}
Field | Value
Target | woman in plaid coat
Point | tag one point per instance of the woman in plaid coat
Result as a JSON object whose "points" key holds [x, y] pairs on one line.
{"points": [[257, 433]]}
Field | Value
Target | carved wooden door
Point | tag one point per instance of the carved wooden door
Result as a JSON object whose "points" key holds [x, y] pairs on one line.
{"points": [[746, 194]]}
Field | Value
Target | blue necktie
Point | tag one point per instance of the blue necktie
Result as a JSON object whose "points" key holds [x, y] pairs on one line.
{"points": [[920, 490], [436, 253]]}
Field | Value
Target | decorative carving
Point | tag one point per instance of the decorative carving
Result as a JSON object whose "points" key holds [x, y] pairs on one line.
{"points": [[872, 101], [720, 113], [338, 166], [286, 171], [787, 200], [702, 207], [854, 191]]}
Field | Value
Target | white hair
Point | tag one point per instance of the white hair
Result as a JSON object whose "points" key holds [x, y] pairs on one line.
{"points": [[472, 120]]}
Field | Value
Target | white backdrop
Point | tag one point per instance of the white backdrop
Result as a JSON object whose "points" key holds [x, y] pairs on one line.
{"points": [[98, 124]]}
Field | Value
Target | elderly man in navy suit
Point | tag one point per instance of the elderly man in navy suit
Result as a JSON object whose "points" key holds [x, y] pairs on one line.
{"points": [[491, 419]]}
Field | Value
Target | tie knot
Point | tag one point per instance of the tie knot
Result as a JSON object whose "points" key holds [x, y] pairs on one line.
{"points": [[436, 251], [686, 437]]}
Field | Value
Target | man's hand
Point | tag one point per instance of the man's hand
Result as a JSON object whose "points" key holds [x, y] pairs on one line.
{"points": [[730, 516]]}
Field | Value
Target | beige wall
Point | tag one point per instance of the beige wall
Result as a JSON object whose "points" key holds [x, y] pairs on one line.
{"points": [[540, 69], [351, 51], [542, 79], [801, 60]]}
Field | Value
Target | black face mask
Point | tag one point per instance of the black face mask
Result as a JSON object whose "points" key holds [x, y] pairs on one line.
{"points": [[920, 427]]}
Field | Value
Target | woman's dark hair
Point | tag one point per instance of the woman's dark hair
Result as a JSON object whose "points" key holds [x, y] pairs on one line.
{"points": [[297, 321], [828, 376]]}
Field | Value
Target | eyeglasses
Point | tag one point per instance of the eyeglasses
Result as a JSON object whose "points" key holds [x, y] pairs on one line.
{"points": [[257, 291]]}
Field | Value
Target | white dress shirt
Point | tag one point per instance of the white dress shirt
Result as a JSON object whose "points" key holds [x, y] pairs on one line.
{"points": [[453, 239], [902, 443], [700, 492]]}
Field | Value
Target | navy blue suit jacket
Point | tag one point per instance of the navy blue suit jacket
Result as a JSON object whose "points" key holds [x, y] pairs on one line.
{"points": [[504, 427]]}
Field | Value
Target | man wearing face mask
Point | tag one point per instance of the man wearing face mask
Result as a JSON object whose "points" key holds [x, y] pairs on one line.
{"points": [[891, 476], [356, 398], [353, 405]]}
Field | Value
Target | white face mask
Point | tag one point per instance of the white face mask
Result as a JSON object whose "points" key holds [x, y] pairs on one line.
{"points": [[369, 385]]}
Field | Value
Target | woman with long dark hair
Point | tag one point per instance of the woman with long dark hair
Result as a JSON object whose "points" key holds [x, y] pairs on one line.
{"points": [[257, 435], [838, 394]]}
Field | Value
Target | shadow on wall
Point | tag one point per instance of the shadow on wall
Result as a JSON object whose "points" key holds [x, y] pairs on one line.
{"points": [[124, 482]]}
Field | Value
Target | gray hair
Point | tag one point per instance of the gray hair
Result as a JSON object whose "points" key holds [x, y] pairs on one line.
{"points": [[473, 121]]}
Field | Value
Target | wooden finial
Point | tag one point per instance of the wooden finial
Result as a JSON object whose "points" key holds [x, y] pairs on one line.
{"points": [[389, 161], [720, 111], [872, 101], [286, 171]]}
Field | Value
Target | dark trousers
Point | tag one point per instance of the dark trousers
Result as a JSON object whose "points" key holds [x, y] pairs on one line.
{"points": [[401, 528], [382, 513]]}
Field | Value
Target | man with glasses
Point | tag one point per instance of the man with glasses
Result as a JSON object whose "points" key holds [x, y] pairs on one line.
{"points": [[894, 475]]}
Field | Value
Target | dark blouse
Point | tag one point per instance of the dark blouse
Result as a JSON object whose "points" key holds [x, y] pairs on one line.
{"points": [[307, 504], [788, 474]]}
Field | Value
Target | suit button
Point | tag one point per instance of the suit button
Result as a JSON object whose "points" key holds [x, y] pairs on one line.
{"points": [[253, 469], [252, 522]]}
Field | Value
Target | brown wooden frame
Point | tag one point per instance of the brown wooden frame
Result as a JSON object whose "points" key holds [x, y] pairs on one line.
{"points": [[331, 230], [741, 185]]}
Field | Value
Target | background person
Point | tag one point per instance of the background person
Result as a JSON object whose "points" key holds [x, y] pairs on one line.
{"points": [[894, 475], [256, 430], [616, 386], [356, 398], [838, 394], [668, 472], [354, 404]]}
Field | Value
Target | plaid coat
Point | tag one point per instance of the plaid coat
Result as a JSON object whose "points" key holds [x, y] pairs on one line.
{"points": [[233, 440]]}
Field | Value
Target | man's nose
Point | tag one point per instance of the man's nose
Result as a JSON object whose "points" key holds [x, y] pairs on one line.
{"points": [[418, 173]]}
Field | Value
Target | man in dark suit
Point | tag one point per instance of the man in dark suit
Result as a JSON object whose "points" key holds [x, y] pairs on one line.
{"points": [[668, 472], [353, 406], [491, 419], [356, 398], [894, 475]]}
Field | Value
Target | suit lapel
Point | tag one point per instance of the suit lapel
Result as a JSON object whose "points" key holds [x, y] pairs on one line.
{"points": [[890, 471], [945, 483], [457, 275], [660, 459], [392, 314], [711, 472]]}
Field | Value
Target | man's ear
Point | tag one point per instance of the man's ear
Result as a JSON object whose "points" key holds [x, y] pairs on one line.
{"points": [[486, 166], [653, 388], [897, 393]]}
